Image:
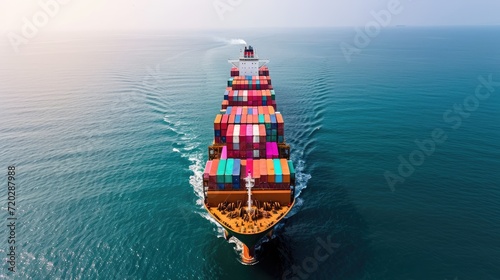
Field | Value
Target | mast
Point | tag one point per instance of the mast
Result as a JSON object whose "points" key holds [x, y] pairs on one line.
{"points": [[249, 185]]}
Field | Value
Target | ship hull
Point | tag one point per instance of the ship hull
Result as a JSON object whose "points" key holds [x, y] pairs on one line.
{"points": [[248, 239]]}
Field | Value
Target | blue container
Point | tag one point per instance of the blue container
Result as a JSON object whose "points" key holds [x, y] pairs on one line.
{"points": [[217, 133], [228, 110], [220, 186], [274, 124], [250, 111], [223, 139], [236, 173], [281, 139], [237, 119]]}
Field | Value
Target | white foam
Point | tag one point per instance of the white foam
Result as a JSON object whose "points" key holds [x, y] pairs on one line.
{"points": [[238, 42], [231, 41], [301, 178]]}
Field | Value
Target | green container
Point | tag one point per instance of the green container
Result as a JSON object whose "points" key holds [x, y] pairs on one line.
{"points": [[278, 172], [221, 170], [228, 175], [292, 170], [261, 119]]}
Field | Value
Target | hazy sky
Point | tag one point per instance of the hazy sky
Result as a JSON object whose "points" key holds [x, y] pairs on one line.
{"points": [[195, 14]]}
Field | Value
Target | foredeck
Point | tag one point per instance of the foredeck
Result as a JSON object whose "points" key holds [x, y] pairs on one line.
{"points": [[260, 218]]}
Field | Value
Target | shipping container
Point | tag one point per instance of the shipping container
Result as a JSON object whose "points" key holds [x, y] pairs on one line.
{"points": [[278, 171], [256, 172], [292, 170], [206, 172], [221, 171], [228, 174], [263, 170], [285, 170], [236, 174], [213, 171], [270, 171], [224, 153]]}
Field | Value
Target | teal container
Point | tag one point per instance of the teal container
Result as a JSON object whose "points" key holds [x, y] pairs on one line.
{"points": [[278, 171], [292, 170], [221, 170], [261, 119], [228, 174]]}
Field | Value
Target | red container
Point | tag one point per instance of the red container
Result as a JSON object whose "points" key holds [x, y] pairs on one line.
{"points": [[224, 121], [263, 170], [230, 133], [206, 172], [213, 171], [256, 172]]}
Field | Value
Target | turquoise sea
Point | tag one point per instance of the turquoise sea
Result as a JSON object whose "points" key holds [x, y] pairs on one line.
{"points": [[108, 133]]}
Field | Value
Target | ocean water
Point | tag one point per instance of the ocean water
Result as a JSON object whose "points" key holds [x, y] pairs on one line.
{"points": [[109, 135]]}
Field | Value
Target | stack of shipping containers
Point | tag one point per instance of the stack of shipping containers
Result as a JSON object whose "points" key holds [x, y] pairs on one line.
{"points": [[249, 130]]}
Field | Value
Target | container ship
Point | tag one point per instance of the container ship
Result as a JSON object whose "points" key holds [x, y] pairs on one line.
{"points": [[249, 179]]}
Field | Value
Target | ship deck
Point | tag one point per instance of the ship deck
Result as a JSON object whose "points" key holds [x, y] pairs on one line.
{"points": [[258, 220]]}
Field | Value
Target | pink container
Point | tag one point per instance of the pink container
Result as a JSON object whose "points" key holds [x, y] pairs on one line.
{"points": [[206, 173], [274, 149], [249, 133], [224, 153], [269, 150], [249, 167]]}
